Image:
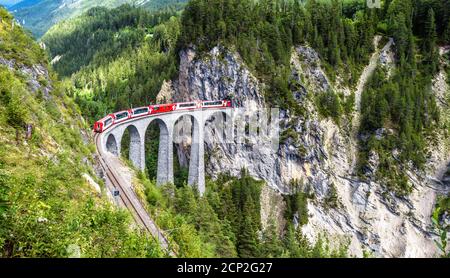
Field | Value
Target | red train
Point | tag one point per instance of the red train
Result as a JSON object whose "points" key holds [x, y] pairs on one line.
{"points": [[119, 117]]}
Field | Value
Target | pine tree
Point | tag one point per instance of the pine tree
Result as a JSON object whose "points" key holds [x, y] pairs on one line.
{"points": [[447, 32], [247, 239], [271, 246], [431, 54]]}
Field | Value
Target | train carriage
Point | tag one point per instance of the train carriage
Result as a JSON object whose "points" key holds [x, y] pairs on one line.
{"points": [[140, 112], [188, 105], [103, 124], [162, 108], [120, 117], [216, 104]]}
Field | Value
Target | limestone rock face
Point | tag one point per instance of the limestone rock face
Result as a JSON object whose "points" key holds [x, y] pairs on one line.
{"points": [[216, 76], [37, 76], [320, 156]]}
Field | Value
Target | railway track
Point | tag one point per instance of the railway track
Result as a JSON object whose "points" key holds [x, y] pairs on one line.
{"points": [[132, 203]]}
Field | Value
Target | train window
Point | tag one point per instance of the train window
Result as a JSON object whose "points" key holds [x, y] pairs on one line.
{"points": [[121, 115], [140, 111], [184, 105], [156, 108], [211, 103], [108, 122]]}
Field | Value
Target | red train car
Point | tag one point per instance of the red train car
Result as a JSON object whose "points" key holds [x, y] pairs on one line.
{"points": [[188, 105], [216, 104], [104, 124], [140, 112], [122, 116], [162, 108]]}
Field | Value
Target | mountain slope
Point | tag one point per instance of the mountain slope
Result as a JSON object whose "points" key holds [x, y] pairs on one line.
{"points": [[23, 4], [307, 60], [124, 47], [225, 226], [49, 204], [40, 15], [9, 3], [386, 205]]}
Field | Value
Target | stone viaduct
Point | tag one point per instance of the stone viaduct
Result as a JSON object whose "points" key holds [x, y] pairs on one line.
{"points": [[111, 141]]}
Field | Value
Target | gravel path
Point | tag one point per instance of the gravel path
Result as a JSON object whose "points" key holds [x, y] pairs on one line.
{"points": [[366, 74]]}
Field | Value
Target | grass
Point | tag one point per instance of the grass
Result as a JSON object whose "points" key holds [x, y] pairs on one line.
{"points": [[46, 205]]}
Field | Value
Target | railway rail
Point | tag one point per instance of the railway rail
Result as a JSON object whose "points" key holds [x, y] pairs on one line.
{"points": [[132, 203]]}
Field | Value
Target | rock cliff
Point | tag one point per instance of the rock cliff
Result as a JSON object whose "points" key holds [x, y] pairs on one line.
{"points": [[320, 155]]}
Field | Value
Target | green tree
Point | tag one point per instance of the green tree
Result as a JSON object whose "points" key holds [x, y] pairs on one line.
{"points": [[447, 32], [442, 232], [431, 53], [271, 245], [247, 239]]}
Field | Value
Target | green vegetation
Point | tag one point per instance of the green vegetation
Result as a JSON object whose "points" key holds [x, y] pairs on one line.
{"points": [[264, 32], [124, 62], [39, 16], [447, 69], [442, 208], [16, 44], [181, 173], [402, 103], [297, 202], [329, 105], [47, 209], [332, 199], [151, 148], [102, 35], [226, 222]]}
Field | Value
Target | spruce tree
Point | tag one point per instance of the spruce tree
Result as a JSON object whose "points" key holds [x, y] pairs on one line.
{"points": [[447, 33], [431, 54], [247, 239], [271, 246]]}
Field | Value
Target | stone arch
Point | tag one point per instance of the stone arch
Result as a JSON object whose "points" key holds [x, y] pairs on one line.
{"points": [[164, 173], [134, 153], [111, 145], [196, 162]]}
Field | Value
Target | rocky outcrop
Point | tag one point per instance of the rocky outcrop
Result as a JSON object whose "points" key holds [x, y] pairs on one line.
{"points": [[217, 75], [316, 152], [37, 76]]}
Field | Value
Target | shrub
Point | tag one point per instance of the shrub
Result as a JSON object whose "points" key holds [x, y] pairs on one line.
{"points": [[329, 105]]}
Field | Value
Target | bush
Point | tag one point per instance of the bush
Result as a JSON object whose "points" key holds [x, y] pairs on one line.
{"points": [[329, 106], [12, 96]]}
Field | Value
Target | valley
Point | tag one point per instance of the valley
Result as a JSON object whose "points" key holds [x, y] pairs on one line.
{"points": [[362, 168]]}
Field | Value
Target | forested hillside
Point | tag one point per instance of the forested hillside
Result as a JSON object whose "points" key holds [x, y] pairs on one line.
{"points": [[116, 59], [342, 32], [124, 65], [113, 59], [400, 117], [47, 207], [40, 15], [403, 102], [124, 56]]}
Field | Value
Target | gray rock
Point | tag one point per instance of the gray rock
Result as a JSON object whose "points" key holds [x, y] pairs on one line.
{"points": [[34, 75], [317, 152]]}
